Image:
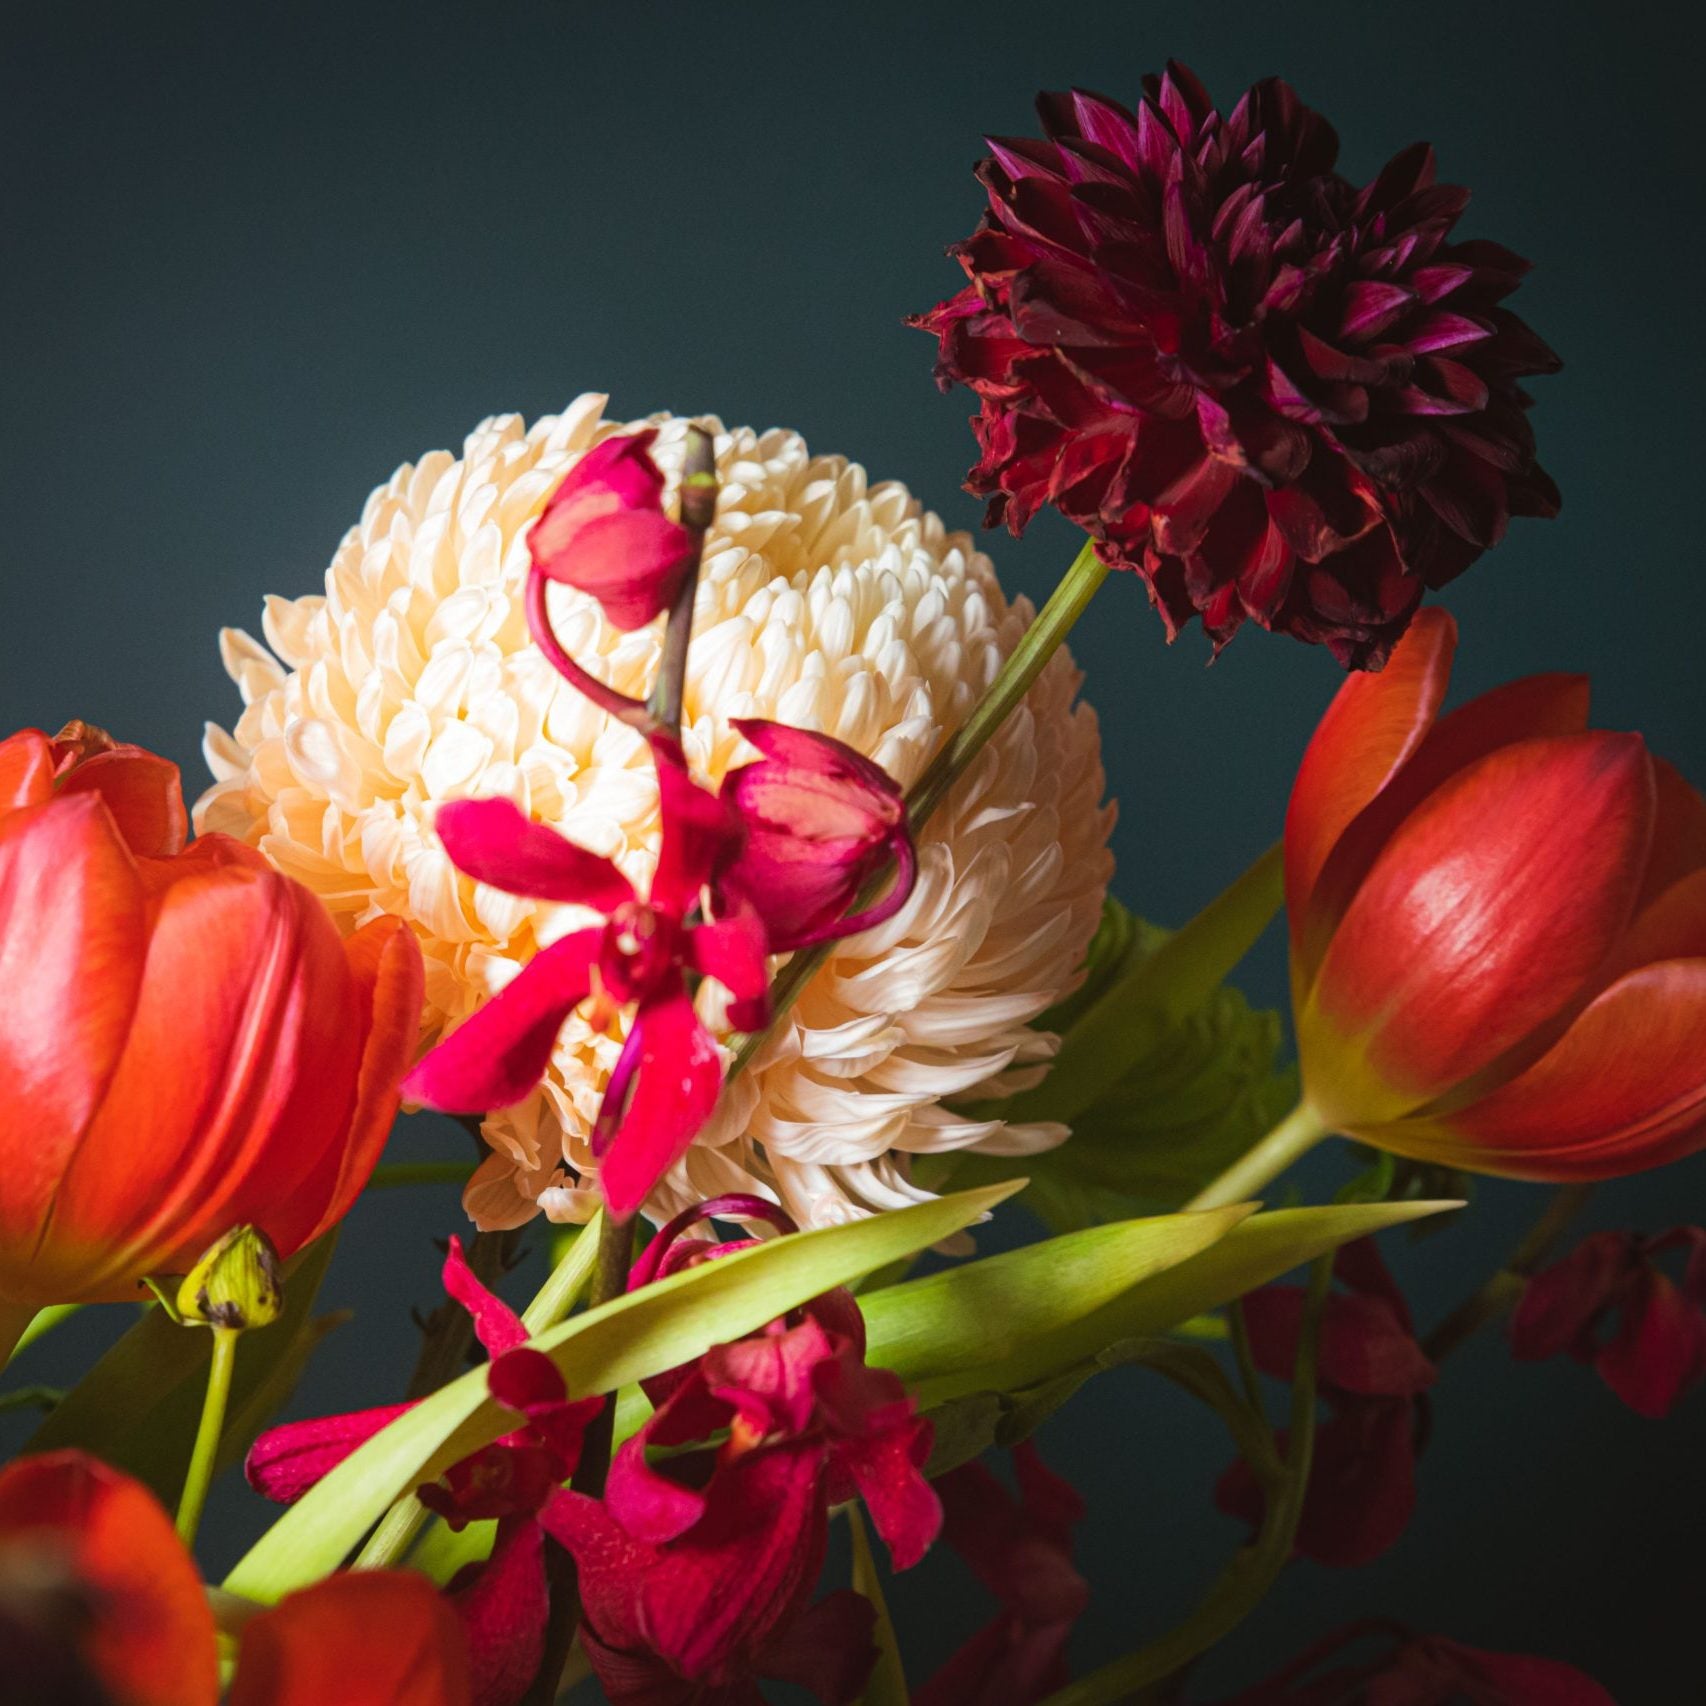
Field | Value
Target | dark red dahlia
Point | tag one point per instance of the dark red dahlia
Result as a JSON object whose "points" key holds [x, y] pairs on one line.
{"points": [[1270, 393]]}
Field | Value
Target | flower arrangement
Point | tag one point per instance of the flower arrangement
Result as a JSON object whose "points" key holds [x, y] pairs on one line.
{"points": [[699, 824]]}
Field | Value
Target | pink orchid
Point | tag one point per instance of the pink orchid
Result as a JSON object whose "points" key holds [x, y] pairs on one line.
{"points": [[1658, 1347], [821, 820], [1021, 1550], [604, 531], [695, 1572], [502, 1602], [665, 1084], [1362, 1486]]}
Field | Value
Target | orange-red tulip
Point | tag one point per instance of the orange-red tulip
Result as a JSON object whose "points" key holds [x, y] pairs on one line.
{"points": [[1498, 927], [185, 1042]]}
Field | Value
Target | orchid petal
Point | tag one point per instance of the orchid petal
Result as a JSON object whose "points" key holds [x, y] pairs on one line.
{"points": [[496, 1325], [495, 842], [503, 1605], [700, 834], [286, 1461]]}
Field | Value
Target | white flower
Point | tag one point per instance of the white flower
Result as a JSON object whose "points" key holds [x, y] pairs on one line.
{"points": [[824, 602]]}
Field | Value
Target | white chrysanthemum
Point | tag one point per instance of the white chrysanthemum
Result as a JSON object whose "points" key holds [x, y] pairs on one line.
{"points": [[824, 602]]}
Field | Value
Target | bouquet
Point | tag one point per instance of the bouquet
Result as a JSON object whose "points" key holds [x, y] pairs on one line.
{"points": [[699, 824]]}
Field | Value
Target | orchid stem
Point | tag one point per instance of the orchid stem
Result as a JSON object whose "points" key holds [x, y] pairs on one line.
{"points": [[1290, 1140], [1248, 1577], [206, 1449], [1017, 676], [1503, 1289], [698, 507]]}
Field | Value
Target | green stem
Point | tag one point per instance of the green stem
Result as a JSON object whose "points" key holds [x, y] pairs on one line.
{"points": [[1017, 676], [206, 1449], [1249, 1576], [1291, 1139], [394, 1174], [389, 1543], [562, 1291], [1502, 1291]]}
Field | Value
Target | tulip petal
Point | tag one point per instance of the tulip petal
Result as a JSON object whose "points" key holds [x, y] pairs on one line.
{"points": [[285, 1462], [1483, 920], [1672, 926], [495, 842], [1376, 720], [679, 1078], [151, 1638], [26, 770], [497, 1055], [72, 945], [143, 791], [366, 1635], [1679, 832], [1623, 1089]]}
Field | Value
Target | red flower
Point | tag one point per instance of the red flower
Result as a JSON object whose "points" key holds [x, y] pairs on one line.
{"points": [[1270, 393], [1657, 1349], [604, 531], [185, 1043], [502, 1603], [1498, 927], [1423, 1670], [1021, 1550], [695, 1572], [100, 1603], [1362, 1483], [667, 1079], [820, 821]]}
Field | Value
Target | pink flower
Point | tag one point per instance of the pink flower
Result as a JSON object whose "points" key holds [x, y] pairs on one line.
{"points": [[820, 821], [1362, 1486], [666, 1081], [1021, 1550], [502, 1602], [1423, 1670], [604, 532], [1658, 1347], [695, 1572]]}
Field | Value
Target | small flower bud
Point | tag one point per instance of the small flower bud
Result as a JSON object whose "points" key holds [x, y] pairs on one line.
{"points": [[236, 1284]]}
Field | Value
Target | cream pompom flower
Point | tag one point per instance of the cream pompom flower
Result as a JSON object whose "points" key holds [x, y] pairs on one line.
{"points": [[824, 602]]}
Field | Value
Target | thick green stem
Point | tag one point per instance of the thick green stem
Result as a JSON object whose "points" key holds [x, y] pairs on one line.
{"points": [[1250, 1575], [1016, 678], [562, 1291], [1291, 1139], [206, 1449]]}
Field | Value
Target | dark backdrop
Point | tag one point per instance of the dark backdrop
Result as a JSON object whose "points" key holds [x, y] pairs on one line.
{"points": [[255, 255]]}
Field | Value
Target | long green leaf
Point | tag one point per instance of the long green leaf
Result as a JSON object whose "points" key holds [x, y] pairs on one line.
{"points": [[138, 1406], [1252, 1253], [626, 1340], [886, 1685]]}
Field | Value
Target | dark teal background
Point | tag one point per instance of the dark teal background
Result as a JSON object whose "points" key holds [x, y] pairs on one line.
{"points": [[256, 255]]}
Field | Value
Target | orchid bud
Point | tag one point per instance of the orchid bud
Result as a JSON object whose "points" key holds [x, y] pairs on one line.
{"points": [[236, 1284], [604, 532], [821, 820]]}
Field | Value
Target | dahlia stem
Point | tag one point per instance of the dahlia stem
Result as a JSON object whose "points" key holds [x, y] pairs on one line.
{"points": [[698, 508], [1246, 1580], [206, 1448], [1017, 676], [1502, 1291], [1291, 1139]]}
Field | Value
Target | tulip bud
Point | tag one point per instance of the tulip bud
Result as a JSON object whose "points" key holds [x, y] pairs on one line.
{"points": [[237, 1284], [820, 820], [604, 532]]}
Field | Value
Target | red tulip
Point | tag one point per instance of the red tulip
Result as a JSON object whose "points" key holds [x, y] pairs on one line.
{"points": [[96, 1589], [604, 531], [1498, 927], [820, 819], [185, 1043]]}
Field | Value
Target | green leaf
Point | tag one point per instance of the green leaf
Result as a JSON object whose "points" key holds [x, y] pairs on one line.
{"points": [[138, 1407], [981, 1312], [1259, 1249], [964, 1428], [886, 1685], [623, 1341]]}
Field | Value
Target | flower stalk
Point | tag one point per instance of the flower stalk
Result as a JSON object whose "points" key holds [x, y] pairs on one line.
{"points": [[1288, 1142], [206, 1448]]}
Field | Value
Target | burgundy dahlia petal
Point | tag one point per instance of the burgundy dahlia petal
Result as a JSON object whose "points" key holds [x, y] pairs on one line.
{"points": [[1273, 395]]}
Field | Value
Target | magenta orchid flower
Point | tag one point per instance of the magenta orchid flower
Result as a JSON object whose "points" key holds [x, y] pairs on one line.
{"points": [[1609, 1304], [696, 1572], [665, 1084], [604, 532], [1373, 1375], [503, 1601], [821, 820], [1021, 1550]]}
